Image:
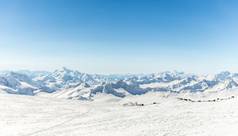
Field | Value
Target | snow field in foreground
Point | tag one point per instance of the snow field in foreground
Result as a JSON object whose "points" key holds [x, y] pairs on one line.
{"points": [[106, 116]]}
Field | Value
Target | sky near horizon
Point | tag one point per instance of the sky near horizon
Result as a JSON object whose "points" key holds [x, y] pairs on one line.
{"points": [[119, 36]]}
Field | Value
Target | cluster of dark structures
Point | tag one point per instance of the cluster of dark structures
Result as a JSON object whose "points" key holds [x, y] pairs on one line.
{"points": [[138, 104], [211, 100]]}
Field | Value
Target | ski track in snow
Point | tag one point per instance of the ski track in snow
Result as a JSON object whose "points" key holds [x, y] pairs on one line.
{"points": [[58, 125]]}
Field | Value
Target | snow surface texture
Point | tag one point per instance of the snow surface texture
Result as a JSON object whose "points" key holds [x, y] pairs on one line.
{"points": [[162, 115], [71, 84]]}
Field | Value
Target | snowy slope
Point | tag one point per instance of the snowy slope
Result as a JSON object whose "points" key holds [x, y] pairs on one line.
{"points": [[106, 116]]}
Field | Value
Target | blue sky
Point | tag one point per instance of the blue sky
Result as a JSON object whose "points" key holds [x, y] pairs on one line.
{"points": [[119, 36]]}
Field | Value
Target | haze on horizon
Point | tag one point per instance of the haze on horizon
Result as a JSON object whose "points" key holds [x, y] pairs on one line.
{"points": [[119, 36]]}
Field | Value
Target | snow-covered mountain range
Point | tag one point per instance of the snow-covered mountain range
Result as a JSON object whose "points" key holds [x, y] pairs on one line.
{"points": [[72, 84]]}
